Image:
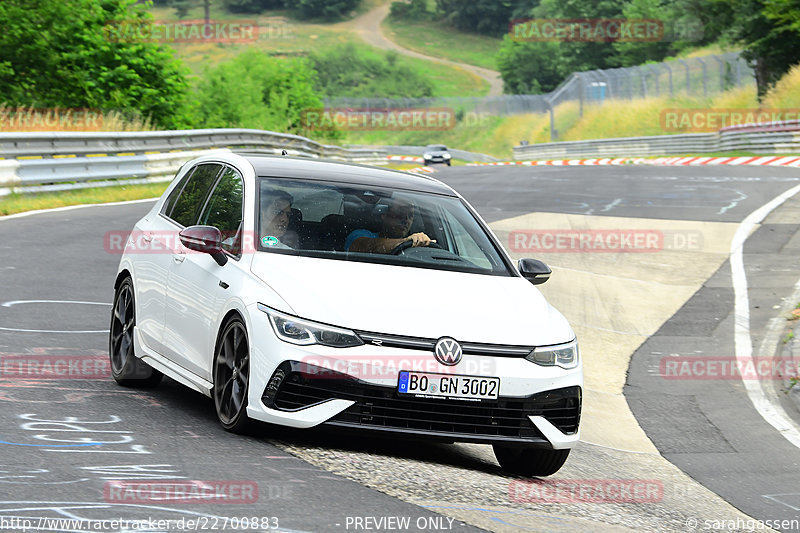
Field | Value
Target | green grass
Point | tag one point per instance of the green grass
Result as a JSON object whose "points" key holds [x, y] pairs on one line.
{"points": [[18, 203], [434, 39]]}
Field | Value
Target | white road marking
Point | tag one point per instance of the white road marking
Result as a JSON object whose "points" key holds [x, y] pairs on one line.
{"points": [[734, 203], [17, 302], [769, 410], [23, 330], [612, 205]]}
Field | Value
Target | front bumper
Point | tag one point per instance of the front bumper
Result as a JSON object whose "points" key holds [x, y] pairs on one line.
{"points": [[382, 408], [294, 386]]}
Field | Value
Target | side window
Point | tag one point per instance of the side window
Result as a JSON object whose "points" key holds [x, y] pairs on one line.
{"points": [[224, 209], [173, 196], [190, 202]]}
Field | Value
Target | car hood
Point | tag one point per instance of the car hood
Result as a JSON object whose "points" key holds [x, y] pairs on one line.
{"points": [[416, 302]]}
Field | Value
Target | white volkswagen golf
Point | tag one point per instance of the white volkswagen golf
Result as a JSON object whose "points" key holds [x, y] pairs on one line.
{"points": [[307, 293]]}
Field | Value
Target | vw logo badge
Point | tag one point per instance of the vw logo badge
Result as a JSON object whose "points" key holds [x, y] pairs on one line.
{"points": [[447, 351]]}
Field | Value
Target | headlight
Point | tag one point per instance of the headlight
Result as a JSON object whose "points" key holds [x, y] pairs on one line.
{"points": [[427, 155], [563, 355], [446, 156], [295, 330]]}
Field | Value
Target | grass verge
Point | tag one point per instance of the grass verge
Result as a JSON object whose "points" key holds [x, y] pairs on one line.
{"points": [[442, 41], [19, 202]]}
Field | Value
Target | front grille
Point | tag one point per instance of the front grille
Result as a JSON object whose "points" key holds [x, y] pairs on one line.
{"points": [[378, 407], [420, 343]]}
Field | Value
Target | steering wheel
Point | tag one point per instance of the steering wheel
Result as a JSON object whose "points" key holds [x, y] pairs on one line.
{"points": [[405, 245]]}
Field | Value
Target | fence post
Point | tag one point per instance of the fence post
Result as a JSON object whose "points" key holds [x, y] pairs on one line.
{"points": [[654, 68], [553, 132], [705, 76], [669, 69], [721, 73], [688, 78]]}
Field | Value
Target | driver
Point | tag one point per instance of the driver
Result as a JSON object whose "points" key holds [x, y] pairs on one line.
{"points": [[395, 225], [276, 208]]}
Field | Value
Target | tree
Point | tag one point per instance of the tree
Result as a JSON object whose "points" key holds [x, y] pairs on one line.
{"points": [[771, 37], [61, 53], [490, 17], [252, 6], [529, 67], [324, 9]]}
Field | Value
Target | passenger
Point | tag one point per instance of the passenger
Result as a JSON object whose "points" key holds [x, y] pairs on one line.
{"points": [[276, 209], [395, 225]]}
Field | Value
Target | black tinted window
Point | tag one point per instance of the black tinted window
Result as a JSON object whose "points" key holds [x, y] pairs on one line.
{"points": [[173, 196], [194, 194], [224, 209]]}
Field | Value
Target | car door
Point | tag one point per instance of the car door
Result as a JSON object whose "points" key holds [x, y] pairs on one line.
{"points": [[154, 237], [196, 287]]}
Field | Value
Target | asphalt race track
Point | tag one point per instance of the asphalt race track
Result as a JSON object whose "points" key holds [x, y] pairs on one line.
{"points": [[701, 443]]}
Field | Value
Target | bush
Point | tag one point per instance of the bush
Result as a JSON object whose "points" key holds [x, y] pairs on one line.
{"points": [[324, 9], [412, 9], [257, 91], [349, 71]]}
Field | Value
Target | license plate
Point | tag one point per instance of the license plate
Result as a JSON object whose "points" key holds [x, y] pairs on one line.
{"points": [[448, 386]]}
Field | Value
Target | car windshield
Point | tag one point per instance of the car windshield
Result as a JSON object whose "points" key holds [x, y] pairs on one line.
{"points": [[324, 219], [437, 148]]}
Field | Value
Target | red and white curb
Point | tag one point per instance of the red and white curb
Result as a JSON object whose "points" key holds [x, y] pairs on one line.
{"points": [[775, 161], [411, 158], [426, 170], [561, 162], [771, 160]]}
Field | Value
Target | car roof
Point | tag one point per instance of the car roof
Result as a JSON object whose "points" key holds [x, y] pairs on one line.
{"points": [[338, 172]]}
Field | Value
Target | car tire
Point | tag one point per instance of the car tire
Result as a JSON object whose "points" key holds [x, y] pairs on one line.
{"points": [[127, 369], [448, 163], [232, 376], [530, 462]]}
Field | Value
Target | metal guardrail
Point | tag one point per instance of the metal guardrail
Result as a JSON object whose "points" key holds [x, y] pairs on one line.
{"points": [[38, 158], [777, 138]]}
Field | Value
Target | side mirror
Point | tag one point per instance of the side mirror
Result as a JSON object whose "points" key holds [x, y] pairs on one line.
{"points": [[205, 239], [534, 270]]}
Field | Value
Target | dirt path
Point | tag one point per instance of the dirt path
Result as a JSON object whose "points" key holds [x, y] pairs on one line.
{"points": [[368, 26]]}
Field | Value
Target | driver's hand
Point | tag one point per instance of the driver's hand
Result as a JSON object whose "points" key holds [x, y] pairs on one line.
{"points": [[419, 239]]}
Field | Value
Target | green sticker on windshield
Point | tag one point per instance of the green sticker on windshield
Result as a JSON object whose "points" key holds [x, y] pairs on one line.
{"points": [[269, 240]]}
